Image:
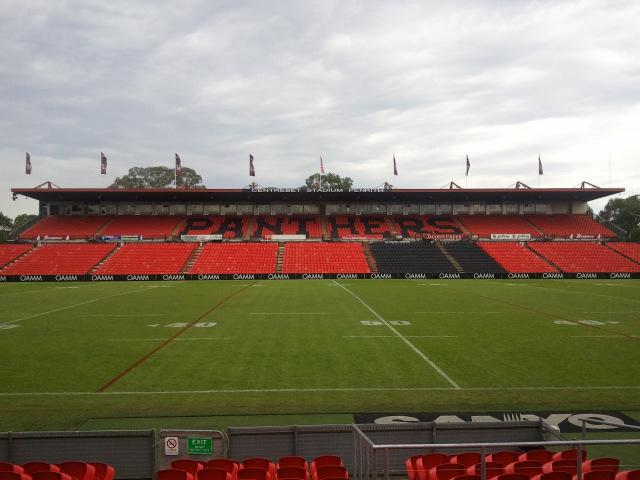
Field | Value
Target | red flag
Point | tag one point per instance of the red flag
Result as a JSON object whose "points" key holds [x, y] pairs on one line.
{"points": [[103, 164], [28, 164], [468, 166], [252, 171], [178, 165], [395, 167], [321, 166], [540, 172]]}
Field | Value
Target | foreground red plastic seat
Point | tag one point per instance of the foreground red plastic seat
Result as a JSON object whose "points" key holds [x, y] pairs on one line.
{"points": [[512, 476], [493, 469], [213, 474], [628, 475], [78, 470], [504, 457], [188, 465], [331, 471], [426, 462], [33, 467], [253, 473], [103, 471], [553, 476], [292, 461], [603, 463], [562, 465], [226, 464], [292, 473], [569, 454], [262, 463], [447, 471], [173, 474], [4, 475], [467, 458], [530, 468], [597, 475], [52, 476], [10, 467], [322, 461], [542, 456]]}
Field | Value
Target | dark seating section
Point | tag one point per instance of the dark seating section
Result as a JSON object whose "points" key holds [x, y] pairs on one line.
{"points": [[267, 226], [472, 258], [358, 227], [410, 258]]}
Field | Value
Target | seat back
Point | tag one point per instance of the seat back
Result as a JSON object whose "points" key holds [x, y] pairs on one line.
{"points": [[528, 467], [292, 461], [173, 474], [213, 474], [33, 467], [292, 473], [78, 470], [103, 471]]}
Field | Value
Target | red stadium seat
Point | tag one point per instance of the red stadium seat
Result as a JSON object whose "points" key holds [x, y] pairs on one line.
{"points": [[103, 471], [424, 463], [330, 471], [213, 474], [173, 474], [467, 458], [542, 456], [253, 473], [33, 467], [292, 473], [569, 454], [493, 469], [10, 467], [188, 465], [562, 465], [78, 470], [504, 457], [226, 464], [292, 461], [597, 475], [52, 476], [603, 463], [530, 468], [447, 471], [628, 475], [4, 475]]}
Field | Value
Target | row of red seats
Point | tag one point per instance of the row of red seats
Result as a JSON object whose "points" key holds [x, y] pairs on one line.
{"points": [[502, 465], [325, 467], [71, 470]]}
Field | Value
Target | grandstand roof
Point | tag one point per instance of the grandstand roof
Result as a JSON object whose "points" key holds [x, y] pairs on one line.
{"points": [[267, 195]]}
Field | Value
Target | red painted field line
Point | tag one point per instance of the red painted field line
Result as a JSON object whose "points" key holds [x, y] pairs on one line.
{"points": [[169, 340]]}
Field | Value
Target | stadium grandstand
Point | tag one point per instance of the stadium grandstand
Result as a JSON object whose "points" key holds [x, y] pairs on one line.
{"points": [[119, 234]]}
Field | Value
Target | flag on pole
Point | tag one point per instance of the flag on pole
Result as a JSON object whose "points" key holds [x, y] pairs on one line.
{"points": [[103, 164], [252, 171], [395, 167], [321, 166], [468, 166], [540, 172], [178, 165], [28, 164]]}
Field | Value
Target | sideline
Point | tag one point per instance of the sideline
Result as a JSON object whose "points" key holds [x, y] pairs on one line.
{"points": [[402, 337]]}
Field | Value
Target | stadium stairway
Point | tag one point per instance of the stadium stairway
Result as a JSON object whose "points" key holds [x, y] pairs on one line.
{"points": [[449, 257], [280, 258], [192, 259]]}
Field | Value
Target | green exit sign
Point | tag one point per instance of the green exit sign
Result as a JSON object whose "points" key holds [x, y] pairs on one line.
{"points": [[199, 446]]}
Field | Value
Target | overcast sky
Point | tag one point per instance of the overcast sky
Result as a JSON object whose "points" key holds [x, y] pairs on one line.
{"points": [[353, 81]]}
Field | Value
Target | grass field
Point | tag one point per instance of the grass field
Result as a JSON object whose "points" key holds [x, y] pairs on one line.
{"points": [[214, 354]]}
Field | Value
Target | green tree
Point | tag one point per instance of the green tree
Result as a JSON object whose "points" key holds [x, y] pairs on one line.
{"points": [[22, 219], [329, 180], [5, 227], [159, 177], [624, 213]]}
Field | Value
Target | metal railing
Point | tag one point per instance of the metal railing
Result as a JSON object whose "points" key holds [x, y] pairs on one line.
{"points": [[371, 461]]}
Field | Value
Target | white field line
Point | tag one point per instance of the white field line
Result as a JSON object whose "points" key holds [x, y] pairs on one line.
{"points": [[290, 313], [457, 313], [402, 337], [164, 339], [394, 336], [71, 306], [602, 336], [301, 390]]}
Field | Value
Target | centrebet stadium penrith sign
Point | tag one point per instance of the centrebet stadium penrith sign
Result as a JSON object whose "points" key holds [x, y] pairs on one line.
{"points": [[319, 276]]}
